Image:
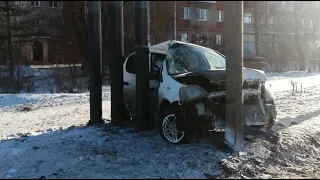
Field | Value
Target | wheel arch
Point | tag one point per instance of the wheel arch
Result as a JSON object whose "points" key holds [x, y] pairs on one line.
{"points": [[164, 104]]}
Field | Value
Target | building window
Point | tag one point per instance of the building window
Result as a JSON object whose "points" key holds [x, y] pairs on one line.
{"points": [[271, 20], [55, 23], [151, 16], [184, 37], [202, 14], [311, 23], [35, 3], [86, 12], [37, 22], [186, 13], [302, 22], [54, 4], [247, 18], [220, 16], [262, 18], [57, 48], [219, 39]]}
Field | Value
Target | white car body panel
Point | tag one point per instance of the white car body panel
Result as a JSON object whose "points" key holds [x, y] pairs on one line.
{"points": [[129, 90], [169, 88]]}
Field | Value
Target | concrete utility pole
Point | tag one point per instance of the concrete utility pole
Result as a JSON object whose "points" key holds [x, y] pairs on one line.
{"points": [[175, 20], [95, 60], [116, 55], [142, 55], [256, 26], [234, 78]]}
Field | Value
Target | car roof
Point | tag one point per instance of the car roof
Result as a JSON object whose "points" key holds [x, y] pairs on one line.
{"points": [[162, 48]]}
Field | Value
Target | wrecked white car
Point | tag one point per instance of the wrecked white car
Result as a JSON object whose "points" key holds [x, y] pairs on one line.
{"points": [[189, 90]]}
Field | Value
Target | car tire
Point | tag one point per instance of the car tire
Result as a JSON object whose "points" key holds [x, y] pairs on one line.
{"points": [[166, 116]]}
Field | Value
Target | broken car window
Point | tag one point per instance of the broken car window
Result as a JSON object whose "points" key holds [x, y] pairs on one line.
{"points": [[185, 58]]}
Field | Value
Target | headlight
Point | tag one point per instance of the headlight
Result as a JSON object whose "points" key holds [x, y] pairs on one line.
{"points": [[192, 92], [268, 95]]}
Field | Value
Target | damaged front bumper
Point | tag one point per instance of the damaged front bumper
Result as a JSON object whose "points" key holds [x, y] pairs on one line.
{"points": [[256, 111]]}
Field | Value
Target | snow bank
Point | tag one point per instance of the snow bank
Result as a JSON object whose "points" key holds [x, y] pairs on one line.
{"points": [[282, 81], [12, 102], [25, 71]]}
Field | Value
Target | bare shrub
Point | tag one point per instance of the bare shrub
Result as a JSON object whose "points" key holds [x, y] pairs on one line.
{"points": [[24, 80], [68, 79]]}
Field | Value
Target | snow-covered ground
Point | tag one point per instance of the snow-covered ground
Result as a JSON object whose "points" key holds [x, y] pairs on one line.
{"points": [[282, 81], [44, 135], [13, 102]]}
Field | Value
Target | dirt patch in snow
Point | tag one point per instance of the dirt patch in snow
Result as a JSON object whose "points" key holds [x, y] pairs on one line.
{"points": [[295, 156], [298, 151]]}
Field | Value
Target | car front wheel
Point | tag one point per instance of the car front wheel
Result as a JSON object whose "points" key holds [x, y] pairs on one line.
{"points": [[169, 131], [168, 128]]}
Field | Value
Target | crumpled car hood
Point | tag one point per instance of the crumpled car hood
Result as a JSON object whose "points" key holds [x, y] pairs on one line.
{"points": [[217, 78], [248, 75], [254, 75]]}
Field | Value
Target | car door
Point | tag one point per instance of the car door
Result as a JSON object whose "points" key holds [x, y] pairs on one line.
{"points": [[129, 80]]}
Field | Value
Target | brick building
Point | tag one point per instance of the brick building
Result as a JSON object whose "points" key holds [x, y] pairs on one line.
{"points": [[52, 40], [275, 22], [43, 44]]}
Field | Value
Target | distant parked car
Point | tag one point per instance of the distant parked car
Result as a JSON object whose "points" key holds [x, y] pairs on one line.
{"points": [[188, 83]]}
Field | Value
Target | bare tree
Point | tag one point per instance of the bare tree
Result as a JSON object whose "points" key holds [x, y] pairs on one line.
{"points": [[298, 22], [161, 25], [11, 14], [306, 22], [77, 15], [256, 27]]}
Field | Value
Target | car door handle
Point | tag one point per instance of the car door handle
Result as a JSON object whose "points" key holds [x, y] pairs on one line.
{"points": [[125, 83]]}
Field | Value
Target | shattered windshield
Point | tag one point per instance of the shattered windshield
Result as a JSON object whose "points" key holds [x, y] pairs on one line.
{"points": [[184, 59]]}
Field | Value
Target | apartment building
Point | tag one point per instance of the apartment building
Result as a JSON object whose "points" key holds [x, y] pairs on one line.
{"points": [[277, 24], [200, 22], [43, 42]]}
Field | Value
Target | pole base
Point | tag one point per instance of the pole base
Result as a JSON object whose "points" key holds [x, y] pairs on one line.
{"points": [[95, 122]]}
